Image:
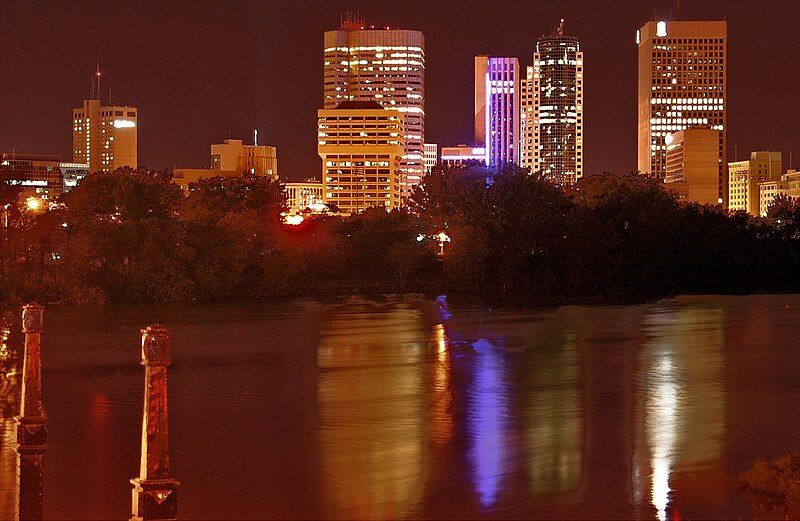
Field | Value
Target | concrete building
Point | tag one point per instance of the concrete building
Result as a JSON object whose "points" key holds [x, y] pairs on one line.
{"points": [[463, 155], [431, 156], [497, 108], [361, 146], [552, 109], [303, 195], [385, 65], [745, 177], [232, 158], [692, 166], [184, 177], [104, 137], [40, 175], [682, 84], [233, 154]]}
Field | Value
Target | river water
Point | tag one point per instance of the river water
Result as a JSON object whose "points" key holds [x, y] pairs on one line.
{"points": [[411, 408]]}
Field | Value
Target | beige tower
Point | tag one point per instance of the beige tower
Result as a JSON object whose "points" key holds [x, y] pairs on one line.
{"points": [[386, 66], [361, 146], [104, 137], [682, 84]]}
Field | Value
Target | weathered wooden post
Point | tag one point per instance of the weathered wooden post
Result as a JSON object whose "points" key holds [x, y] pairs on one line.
{"points": [[31, 422], [155, 494]]}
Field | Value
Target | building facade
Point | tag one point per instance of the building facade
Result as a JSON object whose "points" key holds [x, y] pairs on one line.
{"points": [[387, 66], [303, 195], [746, 176], [431, 156], [692, 166], [361, 147], [40, 175], [552, 109], [497, 108], [234, 155], [682, 84], [104, 137]]}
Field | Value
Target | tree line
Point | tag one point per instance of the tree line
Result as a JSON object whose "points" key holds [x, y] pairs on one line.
{"points": [[134, 236]]}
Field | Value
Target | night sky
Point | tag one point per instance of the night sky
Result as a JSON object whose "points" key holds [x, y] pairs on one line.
{"points": [[202, 71]]}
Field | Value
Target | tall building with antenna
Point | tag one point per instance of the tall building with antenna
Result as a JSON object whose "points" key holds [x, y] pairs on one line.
{"points": [[552, 111], [682, 85], [104, 137], [385, 65]]}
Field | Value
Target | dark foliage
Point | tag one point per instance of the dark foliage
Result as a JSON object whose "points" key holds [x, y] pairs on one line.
{"points": [[133, 236]]}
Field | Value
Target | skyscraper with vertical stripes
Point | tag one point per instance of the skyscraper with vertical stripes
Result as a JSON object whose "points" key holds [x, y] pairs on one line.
{"points": [[497, 108]]}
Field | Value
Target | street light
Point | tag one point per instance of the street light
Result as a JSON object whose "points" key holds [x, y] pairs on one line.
{"points": [[442, 237]]}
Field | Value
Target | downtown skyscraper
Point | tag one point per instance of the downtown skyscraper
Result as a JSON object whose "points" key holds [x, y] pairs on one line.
{"points": [[387, 66], [497, 108], [552, 112], [682, 85]]}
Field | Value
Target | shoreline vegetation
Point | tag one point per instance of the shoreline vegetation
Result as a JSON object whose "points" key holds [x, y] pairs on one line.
{"points": [[773, 487], [135, 237]]}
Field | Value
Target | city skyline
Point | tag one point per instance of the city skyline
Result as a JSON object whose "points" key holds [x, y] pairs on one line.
{"points": [[228, 98]]}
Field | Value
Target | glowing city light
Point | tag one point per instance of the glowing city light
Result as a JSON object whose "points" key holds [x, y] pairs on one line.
{"points": [[294, 220], [123, 123], [33, 204]]}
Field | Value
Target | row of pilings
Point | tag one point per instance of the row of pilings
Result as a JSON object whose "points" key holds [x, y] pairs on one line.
{"points": [[154, 494]]}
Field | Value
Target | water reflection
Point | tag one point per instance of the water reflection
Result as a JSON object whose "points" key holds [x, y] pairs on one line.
{"points": [[9, 406], [487, 418], [683, 399], [554, 417], [372, 411], [441, 416]]}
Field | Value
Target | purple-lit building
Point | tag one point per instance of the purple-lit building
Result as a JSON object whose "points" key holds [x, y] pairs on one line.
{"points": [[497, 108]]}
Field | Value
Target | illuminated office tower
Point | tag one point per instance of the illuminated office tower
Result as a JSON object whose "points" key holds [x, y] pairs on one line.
{"points": [[387, 66], [682, 84], [497, 108], [552, 113], [361, 146], [104, 137]]}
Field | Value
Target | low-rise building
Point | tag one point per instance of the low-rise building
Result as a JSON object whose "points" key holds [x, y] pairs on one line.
{"points": [[744, 178], [463, 155], [40, 175], [234, 155], [303, 195], [789, 185], [232, 158]]}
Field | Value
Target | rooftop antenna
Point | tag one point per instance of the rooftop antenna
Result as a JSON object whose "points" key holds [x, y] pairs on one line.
{"points": [[736, 151], [97, 74], [255, 136], [560, 28]]}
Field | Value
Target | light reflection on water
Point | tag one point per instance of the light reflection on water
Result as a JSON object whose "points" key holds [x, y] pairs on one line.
{"points": [[426, 409]]}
